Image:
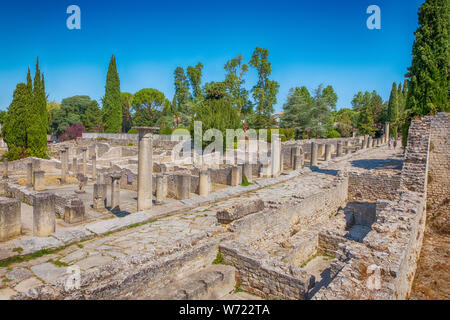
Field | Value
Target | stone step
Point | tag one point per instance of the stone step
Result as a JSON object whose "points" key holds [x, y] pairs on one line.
{"points": [[210, 283]]}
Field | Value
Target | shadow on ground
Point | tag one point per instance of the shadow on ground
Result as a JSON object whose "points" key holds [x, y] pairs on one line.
{"points": [[378, 164]]}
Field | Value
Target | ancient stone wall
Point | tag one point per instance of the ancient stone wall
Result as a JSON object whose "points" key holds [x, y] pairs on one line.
{"points": [[265, 277], [370, 186], [438, 188]]}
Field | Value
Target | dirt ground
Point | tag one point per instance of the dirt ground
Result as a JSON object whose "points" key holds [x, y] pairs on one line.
{"points": [[432, 279]]}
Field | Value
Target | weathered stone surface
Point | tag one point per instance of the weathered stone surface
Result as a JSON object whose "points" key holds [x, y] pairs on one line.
{"points": [[48, 272], [72, 235], [10, 218], [239, 211]]}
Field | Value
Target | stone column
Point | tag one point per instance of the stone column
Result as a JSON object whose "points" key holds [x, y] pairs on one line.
{"points": [[236, 176], [99, 196], [74, 211], [115, 192], [160, 188], [247, 170], [63, 157], [5, 168], [369, 142], [183, 181], [203, 186], [366, 141], [38, 180], [29, 174], [327, 152], [387, 130], [275, 146], [295, 151], [339, 149], [75, 166], [84, 150], [94, 166], [320, 151], [298, 162], [44, 216], [313, 154], [145, 168], [100, 178], [10, 218]]}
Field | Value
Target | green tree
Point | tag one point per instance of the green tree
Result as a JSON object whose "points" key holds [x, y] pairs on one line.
{"points": [[428, 85], [265, 91], [147, 105], [127, 101], [195, 80], [308, 115], [14, 129], [37, 117], [112, 103], [393, 109], [93, 117], [346, 121], [216, 111], [331, 97], [72, 110], [234, 82], [181, 89]]}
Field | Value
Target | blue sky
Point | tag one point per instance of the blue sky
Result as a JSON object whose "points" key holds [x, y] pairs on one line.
{"points": [[310, 42]]}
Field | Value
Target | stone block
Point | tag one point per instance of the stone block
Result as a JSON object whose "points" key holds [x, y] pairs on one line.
{"points": [[10, 218]]}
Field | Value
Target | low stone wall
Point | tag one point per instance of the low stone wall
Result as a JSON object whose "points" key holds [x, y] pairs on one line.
{"points": [[303, 210], [370, 186], [265, 277]]}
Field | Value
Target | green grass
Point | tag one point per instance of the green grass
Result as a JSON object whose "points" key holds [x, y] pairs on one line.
{"points": [[18, 249], [238, 289], [58, 263], [38, 254], [245, 182], [79, 245], [218, 259], [328, 256]]}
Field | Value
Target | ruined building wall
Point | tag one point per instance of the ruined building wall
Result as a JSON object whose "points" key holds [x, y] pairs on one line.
{"points": [[369, 186], [438, 188]]}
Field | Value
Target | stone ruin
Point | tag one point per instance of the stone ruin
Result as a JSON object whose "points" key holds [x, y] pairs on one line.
{"points": [[321, 219]]}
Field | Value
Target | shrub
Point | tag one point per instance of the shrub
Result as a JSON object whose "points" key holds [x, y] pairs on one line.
{"points": [[133, 131], [288, 133], [166, 131], [333, 134]]}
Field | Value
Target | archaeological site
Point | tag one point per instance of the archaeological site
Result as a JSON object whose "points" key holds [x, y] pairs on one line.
{"points": [[112, 216]]}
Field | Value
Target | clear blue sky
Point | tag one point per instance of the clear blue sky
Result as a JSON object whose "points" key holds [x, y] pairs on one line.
{"points": [[310, 42]]}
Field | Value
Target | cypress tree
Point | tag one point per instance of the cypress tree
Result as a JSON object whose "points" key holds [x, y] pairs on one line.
{"points": [[112, 103], [393, 107], [37, 128], [14, 130], [429, 72], [93, 116]]}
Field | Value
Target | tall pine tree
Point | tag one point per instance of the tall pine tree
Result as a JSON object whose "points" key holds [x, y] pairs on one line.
{"points": [[112, 103], [429, 72]]}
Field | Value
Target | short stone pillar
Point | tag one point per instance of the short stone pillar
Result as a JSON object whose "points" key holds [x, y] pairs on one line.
{"points": [[100, 178], [74, 211], [366, 142], [84, 150], [10, 218], [295, 151], [44, 216], [327, 152], [145, 168], [64, 159], [183, 182], [5, 168], [339, 149], [75, 166], [321, 151], [29, 174], [313, 154], [387, 132], [161, 182], [247, 171], [99, 196], [369, 142], [94, 166], [203, 186], [115, 192], [298, 162], [236, 176], [275, 159], [82, 181], [38, 180]]}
